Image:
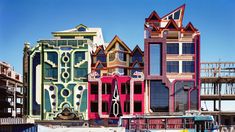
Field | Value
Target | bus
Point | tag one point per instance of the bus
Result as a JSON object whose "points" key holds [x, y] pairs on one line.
{"points": [[191, 123]]}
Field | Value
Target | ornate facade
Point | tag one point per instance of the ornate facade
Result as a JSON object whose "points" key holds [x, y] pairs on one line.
{"points": [[116, 84], [77, 76], [57, 72], [172, 64]]}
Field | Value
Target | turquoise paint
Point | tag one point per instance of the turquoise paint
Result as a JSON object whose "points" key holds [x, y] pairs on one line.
{"points": [[83, 105], [70, 98], [60, 98], [53, 57], [47, 101]]}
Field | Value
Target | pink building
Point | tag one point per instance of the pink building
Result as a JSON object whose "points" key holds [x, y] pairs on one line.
{"points": [[116, 84], [172, 64]]}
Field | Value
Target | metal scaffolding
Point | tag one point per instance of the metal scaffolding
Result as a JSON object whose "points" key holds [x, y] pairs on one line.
{"points": [[217, 85]]}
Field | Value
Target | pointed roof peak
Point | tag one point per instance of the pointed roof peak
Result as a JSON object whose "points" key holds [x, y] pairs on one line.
{"points": [[80, 25], [116, 39], [98, 48], [189, 27], [137, 48], [153, 17], [172, 24], [176, 14]]}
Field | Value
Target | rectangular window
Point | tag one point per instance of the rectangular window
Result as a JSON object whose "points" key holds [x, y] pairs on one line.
{"points": [[79, 56], [173, 66], [172, 48], [159, 96], [120, 70], [104, 106], [127, 106], [94, 88], [125, 71], [125, 88], [122, 56], [155, 59], [137, 88], [88, 37], [62, 42], [106, 88], [188, 66], [94, 106], [188, 48], [67, 37], [137, 106], [80, 72]]}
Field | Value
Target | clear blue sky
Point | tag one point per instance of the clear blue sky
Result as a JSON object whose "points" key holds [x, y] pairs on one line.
{"points": [[22, 20]]}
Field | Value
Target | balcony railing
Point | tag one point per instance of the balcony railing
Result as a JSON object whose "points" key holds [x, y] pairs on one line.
{"points": [[218, 69], [64, 42]]}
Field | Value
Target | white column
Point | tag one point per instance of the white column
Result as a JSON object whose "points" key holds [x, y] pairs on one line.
{"points": [[131, 97], [146, 97], [180, 48], [180, 66], [100, 98]]}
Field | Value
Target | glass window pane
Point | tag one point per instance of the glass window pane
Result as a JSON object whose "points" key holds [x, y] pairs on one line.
{"points": [[194, 100], [137, 56], [159, 97], [181, 95], [172, 48], [177, 15], [172, 66], [155, 59], [79, 56], [188, 48], [188, 66]]}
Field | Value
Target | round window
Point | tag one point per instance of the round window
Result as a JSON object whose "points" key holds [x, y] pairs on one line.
{"points": [[51, 88], [53, 96], [80, 88], [65, 59], [65, 74], [65, 92], [78, 96], [53, 103], [77, 103]]}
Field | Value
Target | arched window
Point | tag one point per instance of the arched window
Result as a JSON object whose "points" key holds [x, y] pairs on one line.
{"points": [[81, 29]]}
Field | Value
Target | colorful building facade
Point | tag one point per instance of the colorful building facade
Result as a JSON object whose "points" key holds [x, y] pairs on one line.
{"points": [[172, 64], [116, 83], [56, 73], [76, 75]]}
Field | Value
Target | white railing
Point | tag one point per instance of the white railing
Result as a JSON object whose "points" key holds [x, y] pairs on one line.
{"points": [[16, 121]]}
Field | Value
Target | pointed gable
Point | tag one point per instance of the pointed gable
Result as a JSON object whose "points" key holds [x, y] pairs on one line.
{"points": [[136, 64], [81, 27], [99, 50], [190, 28], [172, 25], [176, 14], [153, 17], [99, 65], [137, 49], [155, 29], [115, 40]]}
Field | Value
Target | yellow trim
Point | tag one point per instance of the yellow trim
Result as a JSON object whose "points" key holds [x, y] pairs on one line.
{"points": [[56, 34]]}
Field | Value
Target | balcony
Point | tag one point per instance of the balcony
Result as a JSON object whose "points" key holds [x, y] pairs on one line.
{"points": [[64, 42]]}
